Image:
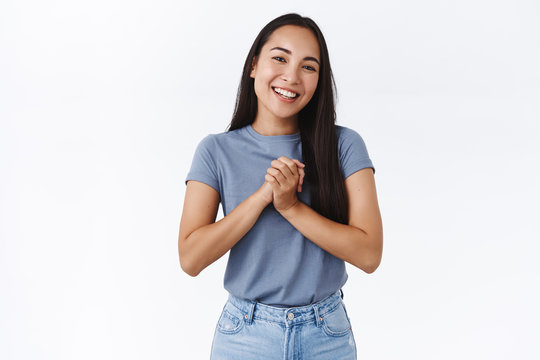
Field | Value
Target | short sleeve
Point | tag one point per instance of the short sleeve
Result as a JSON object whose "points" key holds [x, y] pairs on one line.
{"points": [[203, 167], [353, 154]]}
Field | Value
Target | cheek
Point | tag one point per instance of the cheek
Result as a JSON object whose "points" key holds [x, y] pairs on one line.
{"points": [[261, 87], [311, 86], [263, 79], [258, 90], [269, 73]]}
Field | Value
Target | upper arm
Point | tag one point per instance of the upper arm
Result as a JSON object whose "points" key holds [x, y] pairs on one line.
{"points": [[201, 204], [202, 184], [364, 212]]}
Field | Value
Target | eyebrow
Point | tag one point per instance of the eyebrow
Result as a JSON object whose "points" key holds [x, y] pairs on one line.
{"points": [[290, 52]]}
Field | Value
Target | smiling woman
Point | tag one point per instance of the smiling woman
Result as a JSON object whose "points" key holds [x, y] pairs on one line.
{"points": [[299, 200], [284, 76]]}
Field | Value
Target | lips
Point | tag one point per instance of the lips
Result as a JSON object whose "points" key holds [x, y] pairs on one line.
{"points": [[285, 94]]}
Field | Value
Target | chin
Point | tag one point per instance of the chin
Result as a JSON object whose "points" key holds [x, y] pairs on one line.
{"points": [[285, 116]]}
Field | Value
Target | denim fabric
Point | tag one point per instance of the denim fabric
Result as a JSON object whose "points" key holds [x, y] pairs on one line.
{"points": [[248, 330]]}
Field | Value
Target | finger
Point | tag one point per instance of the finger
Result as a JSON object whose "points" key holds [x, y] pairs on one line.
{"points": [[301, 173], [272, 181], [300, 170], [298, 163], [284, 167], [299, 167], [290, 163], [301, 181], [276, 174]]}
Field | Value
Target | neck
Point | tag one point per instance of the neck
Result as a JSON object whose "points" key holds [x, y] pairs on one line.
{"points": [[275, 126]]}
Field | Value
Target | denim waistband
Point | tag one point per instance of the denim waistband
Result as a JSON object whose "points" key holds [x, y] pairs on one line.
{"points": [[287, 315]]}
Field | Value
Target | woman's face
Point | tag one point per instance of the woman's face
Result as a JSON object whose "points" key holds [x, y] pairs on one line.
{"points": [[286, 72]]}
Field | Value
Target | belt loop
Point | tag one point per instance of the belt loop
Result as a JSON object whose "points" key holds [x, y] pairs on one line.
{"points": [[317, 317], [248, 318]]}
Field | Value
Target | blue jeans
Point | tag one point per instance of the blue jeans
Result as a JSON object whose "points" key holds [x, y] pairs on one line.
{"points": [[248, 330]]}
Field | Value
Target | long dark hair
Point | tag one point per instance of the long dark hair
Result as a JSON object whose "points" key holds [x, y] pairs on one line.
{"points": [[316, 122]]}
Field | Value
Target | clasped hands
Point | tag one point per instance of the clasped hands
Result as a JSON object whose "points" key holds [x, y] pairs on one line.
{"points": [[285, 178]]}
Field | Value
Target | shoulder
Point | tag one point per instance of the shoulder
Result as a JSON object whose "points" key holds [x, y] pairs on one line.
{"points": [[344, 132], [347, 137], [207, 141], [216, 139], [352, 150]]}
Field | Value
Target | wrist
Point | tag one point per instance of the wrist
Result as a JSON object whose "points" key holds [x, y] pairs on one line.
{"points": [[261, 199], [290, 209]]}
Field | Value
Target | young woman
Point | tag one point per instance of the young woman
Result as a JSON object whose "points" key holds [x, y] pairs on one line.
{"points": [[289, 237]]}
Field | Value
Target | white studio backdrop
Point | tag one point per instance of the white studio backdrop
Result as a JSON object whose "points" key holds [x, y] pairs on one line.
{"points": [[103, 103]]}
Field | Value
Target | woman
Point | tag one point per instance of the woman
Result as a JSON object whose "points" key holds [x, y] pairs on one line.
{"points": [[289, 238]]}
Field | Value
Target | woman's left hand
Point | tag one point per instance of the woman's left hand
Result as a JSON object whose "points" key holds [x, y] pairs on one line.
{"points": [[286, 178]]}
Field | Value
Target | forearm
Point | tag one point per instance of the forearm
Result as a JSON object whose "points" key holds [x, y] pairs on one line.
{"points": [[208, 243], [346, 242]]}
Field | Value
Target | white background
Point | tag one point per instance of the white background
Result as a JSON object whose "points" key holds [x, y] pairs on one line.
{"points": [[102, 104]]}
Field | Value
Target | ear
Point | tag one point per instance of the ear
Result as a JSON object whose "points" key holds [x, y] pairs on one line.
{"points": [[253, 67]]}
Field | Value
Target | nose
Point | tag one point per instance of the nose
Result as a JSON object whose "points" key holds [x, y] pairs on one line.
{"points": [[290, 74]]}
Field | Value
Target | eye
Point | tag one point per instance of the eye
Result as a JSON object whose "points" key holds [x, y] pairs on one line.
{"points": [[310, 68], [279, 58]]}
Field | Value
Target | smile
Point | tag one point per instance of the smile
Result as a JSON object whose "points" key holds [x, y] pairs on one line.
{"points": [[285, 93]]}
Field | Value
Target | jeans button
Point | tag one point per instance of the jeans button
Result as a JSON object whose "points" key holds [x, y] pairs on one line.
{"points": [[290, 316]]}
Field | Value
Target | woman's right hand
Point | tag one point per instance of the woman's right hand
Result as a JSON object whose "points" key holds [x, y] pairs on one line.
{"points": [[266, 193]]}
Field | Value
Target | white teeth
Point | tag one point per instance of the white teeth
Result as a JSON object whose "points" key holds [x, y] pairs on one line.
{"points": [[285, 92]]}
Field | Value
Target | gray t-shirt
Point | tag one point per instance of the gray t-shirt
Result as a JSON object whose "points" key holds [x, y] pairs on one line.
{"points": [[273, 263]]}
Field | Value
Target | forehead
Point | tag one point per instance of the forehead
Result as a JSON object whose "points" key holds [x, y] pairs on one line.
{"points": [[299, 40]]}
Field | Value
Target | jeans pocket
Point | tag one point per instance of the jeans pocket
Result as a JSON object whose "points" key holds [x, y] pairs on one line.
{"points": [[336, 322], [230, 321]]}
